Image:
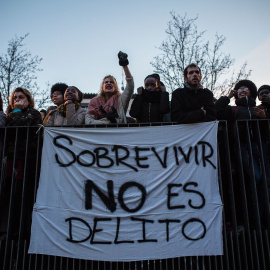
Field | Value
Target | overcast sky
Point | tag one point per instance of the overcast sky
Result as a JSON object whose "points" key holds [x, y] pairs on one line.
{"points": [[79, 40]]}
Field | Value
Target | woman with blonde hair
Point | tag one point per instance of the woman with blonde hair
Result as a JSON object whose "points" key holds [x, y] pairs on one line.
{"points": [[110, 106], [20, 111]]}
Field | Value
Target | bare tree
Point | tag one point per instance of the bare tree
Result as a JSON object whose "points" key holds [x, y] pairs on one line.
{"points": [[185, 45], [19, 68]]}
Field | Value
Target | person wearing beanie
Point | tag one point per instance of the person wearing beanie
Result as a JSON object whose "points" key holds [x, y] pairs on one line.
{"points": [[152, 102], [192, 103], [245, 93], [69, 113]]}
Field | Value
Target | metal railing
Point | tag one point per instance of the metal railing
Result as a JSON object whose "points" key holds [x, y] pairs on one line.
{"points": [[244, 179]]}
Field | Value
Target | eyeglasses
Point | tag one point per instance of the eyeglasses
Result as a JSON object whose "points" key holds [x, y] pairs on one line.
{"points": [[242, 89]]}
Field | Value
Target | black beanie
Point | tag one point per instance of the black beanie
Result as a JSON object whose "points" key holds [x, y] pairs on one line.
{"points": [[59, 87], [250, 85], [264, 87]]}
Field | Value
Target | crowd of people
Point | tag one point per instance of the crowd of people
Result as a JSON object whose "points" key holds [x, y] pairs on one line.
{"points": [[190, 104]]}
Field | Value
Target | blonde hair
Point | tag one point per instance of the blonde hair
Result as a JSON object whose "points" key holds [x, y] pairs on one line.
{"points": [[28, 95], [117, 92]]}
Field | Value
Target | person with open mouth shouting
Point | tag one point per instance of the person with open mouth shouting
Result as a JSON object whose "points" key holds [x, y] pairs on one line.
{"points": [[110, 106]]}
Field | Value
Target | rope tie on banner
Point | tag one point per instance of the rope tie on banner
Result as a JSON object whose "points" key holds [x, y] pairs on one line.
{"points": [[40, 127]]}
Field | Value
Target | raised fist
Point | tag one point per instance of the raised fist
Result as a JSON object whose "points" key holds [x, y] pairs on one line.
{"points": [[123, 61]]}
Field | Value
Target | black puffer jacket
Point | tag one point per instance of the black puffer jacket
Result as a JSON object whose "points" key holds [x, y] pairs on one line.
{"points": [[187, 104], [150, 106]]}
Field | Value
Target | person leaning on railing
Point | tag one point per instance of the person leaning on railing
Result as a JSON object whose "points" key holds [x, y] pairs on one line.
{"points": [[21, 154], [20, 111], [110, 106], [245, 93], [70, 113], [152, 102]]}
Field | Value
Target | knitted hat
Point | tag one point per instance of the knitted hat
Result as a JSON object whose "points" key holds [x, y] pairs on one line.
{"points": [[264, 87], [61, 87], [250, 85]]}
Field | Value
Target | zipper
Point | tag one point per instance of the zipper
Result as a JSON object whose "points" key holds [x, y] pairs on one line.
{"points": [[149, 111]]}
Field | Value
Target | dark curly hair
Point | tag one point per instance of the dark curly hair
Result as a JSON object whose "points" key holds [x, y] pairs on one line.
{"points": [[250, 85], [59, 87]]}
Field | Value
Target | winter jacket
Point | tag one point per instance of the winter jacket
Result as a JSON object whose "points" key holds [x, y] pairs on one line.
{"points": [[3, 119], [242, 111], [94, 117], [187, 103], [73, 117], [150, 106], [26, 117]]}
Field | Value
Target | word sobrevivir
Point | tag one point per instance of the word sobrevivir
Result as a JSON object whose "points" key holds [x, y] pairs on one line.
{"points": [[101, 156]]}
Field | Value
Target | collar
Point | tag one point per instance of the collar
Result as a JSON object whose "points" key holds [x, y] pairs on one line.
{"points": [[188, 86]]}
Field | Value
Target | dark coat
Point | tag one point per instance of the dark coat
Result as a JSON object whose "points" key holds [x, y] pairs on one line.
{"points": [[27, 117], [187, 103], [150, 106], [242, 111]]}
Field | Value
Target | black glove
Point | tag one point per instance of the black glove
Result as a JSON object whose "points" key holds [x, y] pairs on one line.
{"points": [[123, 61], [110, 116]]}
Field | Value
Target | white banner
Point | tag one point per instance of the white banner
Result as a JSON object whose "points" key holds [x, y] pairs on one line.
{"points": [[123, 194]]}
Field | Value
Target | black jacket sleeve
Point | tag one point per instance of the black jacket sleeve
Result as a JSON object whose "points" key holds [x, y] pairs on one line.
{"points": [[135, 110], [223, 109], [164, 103]]}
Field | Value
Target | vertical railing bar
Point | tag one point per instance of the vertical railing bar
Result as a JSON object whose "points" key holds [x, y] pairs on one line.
{"points": [[232, 199], [42, 261], [266, 196], [254, 191], [232, 250], [22, 205], [267, 248], [24, 254], [243, 241], [222, 198], [11, 197], [11, 256], [243, 193], [257, 262], [3, 163]]}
